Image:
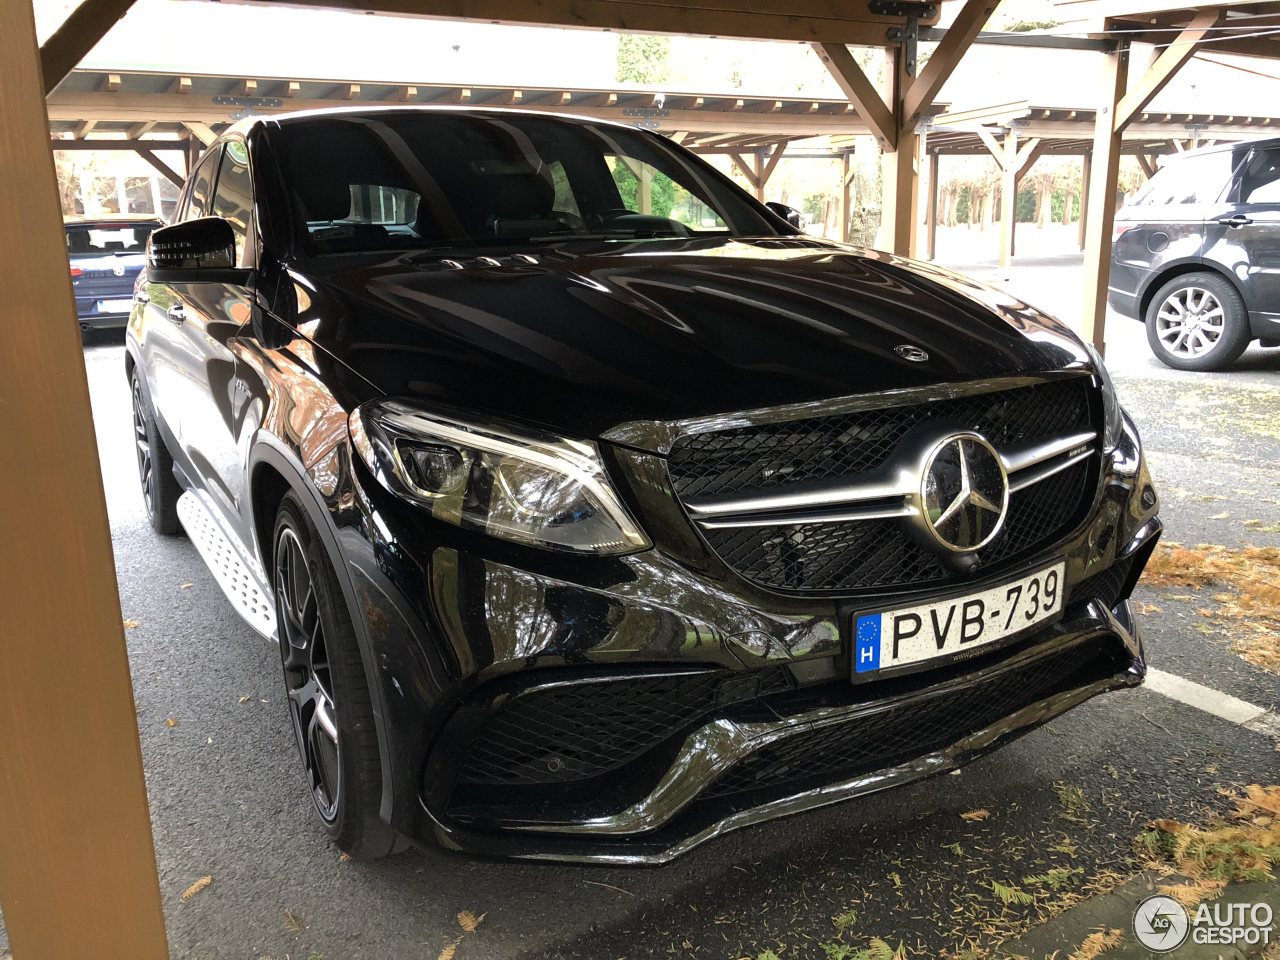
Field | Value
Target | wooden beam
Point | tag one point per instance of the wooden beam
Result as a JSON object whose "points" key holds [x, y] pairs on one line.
{"points": [[292, 88], [1008, 197], [775, 155], [249, 88], [861, 92], [351, 91], [803, 21], [1148, 167], [201, 132], [1028, 154], [111, 82], [1165, 67], [66, 703], [80, 32], [408, 93], [992, 144], [83, 127], [901, 190], [180, 85], [1104, 170], [931, 221], [946, 56], [164, 169], [139, 130], [746, 169]]}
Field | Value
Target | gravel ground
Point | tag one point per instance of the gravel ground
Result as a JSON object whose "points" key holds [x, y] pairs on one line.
{"points": [[228, 800]]}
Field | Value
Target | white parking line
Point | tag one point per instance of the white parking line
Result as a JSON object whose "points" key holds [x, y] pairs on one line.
{"points": [[1222, 705]]}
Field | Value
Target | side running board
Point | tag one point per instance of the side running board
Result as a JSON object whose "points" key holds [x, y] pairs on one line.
{"points": [[240, 576]]}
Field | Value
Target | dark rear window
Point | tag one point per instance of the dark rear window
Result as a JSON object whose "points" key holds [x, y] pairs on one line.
{"points": [[444, 181], [106, 239]]}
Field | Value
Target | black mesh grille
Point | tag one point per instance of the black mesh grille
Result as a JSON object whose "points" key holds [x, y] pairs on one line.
{"points": [[862, 745], [559, 734], [880, 554], [821, 448]]}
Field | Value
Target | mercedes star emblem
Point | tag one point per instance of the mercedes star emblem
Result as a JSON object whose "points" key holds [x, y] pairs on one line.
{"points": [[909, 351], [964, 493]]}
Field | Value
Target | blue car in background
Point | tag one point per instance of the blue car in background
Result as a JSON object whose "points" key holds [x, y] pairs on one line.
{"points": [[106, 257]]}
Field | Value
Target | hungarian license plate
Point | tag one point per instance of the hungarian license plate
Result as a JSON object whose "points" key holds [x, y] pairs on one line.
{"points": [[911, 635], [115, 306]]}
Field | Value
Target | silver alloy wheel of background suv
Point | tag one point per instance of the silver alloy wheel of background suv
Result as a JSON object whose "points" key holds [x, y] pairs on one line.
{"points": [[1190, 322]]}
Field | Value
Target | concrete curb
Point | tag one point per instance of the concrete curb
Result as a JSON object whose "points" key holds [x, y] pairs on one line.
{"points": [[1114, 911]]}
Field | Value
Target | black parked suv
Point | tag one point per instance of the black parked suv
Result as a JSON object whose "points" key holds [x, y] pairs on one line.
{"points": [[595, 510], [1196, 255]]}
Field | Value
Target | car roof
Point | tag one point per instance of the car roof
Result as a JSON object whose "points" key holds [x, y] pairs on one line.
{"points": [[1221, 148], [365, 112]]}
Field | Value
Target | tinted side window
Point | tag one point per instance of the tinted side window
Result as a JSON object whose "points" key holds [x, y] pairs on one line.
{"points": [[1199, 179], [233, 200], [1260, 179], [202, 182]]}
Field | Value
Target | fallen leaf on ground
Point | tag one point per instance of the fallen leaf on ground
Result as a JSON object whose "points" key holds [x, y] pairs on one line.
{"points": [[171, 722], [293, 922], [449, 950], [468, 921], [195, 888], [1220, 516], [1097, 943], [975, 815], [245, 699], [344, 857], [129, 623], [185, 586]]}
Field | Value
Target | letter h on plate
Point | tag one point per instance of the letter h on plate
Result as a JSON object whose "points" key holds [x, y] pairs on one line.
{"points": [[866, 647]]}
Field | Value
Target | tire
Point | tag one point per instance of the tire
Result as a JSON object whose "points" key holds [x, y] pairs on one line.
{"points": [[160, 488], [327, 692], [1197, 321]]}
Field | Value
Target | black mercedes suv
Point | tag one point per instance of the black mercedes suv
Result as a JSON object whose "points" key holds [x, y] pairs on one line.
{"points": [[1196, 255], [596, 511]]}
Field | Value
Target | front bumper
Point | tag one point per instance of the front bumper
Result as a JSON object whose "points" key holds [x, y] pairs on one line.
{"points": [[666, 708]]}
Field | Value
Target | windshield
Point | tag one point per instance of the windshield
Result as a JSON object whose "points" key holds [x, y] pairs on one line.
{"points": [[443, 181], [103, 240], [1194, 179]]}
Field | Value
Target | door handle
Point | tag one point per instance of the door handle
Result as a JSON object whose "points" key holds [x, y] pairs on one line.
{"points": [[176, 312], [1239, 220]]}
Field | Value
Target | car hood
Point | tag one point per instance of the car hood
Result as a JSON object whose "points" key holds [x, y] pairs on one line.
{"points": [[587, 336]]}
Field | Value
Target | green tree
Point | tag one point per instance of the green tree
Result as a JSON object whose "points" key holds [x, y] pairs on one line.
{"points": [[643, 59]]}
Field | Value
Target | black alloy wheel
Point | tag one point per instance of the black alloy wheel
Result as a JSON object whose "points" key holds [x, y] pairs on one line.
{"points": [[328, 693], [305, 657], [160, 490]]}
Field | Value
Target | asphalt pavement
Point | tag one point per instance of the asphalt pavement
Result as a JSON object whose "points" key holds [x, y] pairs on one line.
{"points": [[228, 799]]}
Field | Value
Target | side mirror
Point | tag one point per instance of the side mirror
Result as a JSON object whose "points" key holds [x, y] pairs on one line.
{"points": [[789, 214], [191, 251]]}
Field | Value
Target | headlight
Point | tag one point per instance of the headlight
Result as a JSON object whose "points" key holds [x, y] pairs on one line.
{"points": [[1112, 415], [539, 490]]}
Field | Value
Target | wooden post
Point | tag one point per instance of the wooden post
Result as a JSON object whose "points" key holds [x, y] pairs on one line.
{"points": [[1008, 196], [644, 189], [846, 196], [1101, 207], [899, 194], [77, 869], [1085, 163], [934, 169]]}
